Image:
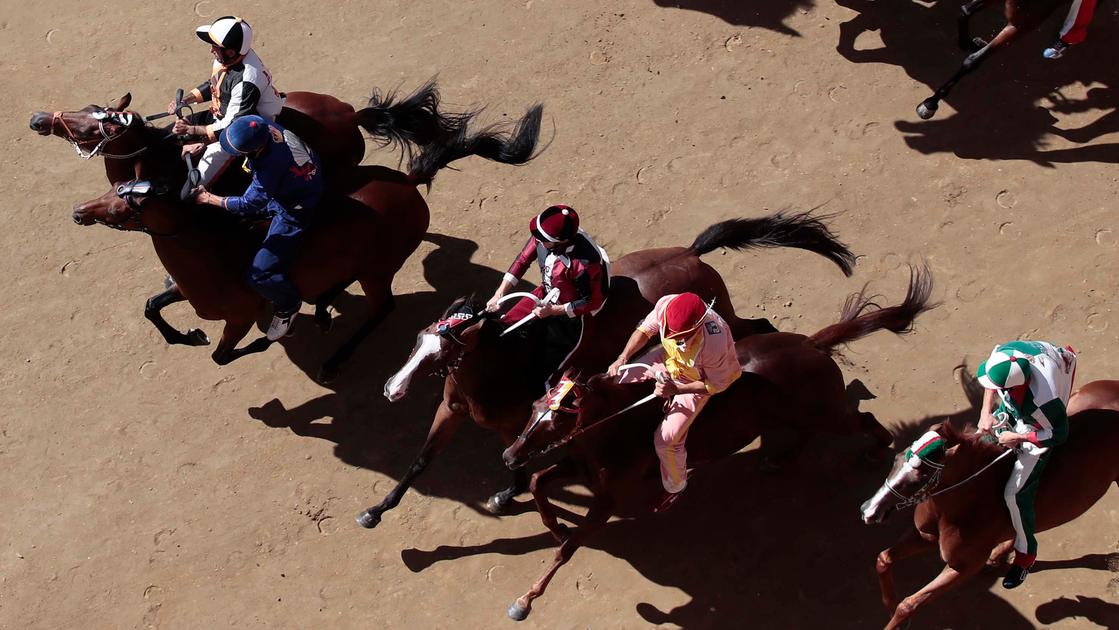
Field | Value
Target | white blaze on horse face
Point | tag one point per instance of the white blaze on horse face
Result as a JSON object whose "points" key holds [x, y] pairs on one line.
{"points": [[872, 509], [397, 386]]}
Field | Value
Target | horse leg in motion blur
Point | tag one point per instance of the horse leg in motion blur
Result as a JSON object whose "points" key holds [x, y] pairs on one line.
{"points": [[234, 331], [446, 421], [963, 26], [910, 544], [540, 480], [599, 513], [323, 318], [156, 303], [501, 499], [948, 578], [382, 303], [927, 108]]}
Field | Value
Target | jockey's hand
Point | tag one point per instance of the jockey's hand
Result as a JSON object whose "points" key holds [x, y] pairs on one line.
{"points": [[549, 310], [667, 389], [183, 128], [492, 305], [986, 421], [201, 195], [1009, 439], [614, 368], [193, 148], [172, 107]]}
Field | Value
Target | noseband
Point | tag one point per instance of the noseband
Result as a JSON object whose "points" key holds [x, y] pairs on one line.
{"points": [[128, 192], [925, 491], [58, 119]]}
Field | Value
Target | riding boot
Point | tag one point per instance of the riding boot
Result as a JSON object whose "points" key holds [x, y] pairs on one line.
{"points": [[1019, 570]]}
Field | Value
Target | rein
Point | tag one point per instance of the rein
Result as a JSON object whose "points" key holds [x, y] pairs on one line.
{"points": [[57, 119], [923, 494]]}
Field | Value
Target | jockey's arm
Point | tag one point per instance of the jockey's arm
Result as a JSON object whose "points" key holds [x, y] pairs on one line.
{"points": [[520, 265], [638, 340], [1056, 417], [242, 101], [986, 420], [252, 202], [589, 282]]}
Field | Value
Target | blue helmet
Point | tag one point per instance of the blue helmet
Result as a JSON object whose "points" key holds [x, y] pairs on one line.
{"points": [[244, 135]]}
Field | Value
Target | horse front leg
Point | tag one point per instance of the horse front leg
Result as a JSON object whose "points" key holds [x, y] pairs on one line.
{"points": [[234, 331], [155, 304], [909, 606], [544, 507], [927, 108], [963, 26], [910, 544], [499, 501], [596, 518], [443, 427]]}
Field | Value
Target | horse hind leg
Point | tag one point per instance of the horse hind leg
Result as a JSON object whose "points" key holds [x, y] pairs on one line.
{"points": [[152, 311], [910, 544], [927, 108], [382, 303], [999, 555], [963, 26], [323, 318], [234, 331], [909, 606]]}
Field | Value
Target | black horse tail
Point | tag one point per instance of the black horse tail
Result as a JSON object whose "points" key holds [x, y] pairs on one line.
{"points": [[861, 316], [508, 144], [409, 123], [802, 231]]}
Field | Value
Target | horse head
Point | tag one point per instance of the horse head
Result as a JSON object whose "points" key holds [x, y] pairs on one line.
{"points": [[557, 417], [121, 208], [94, 130], [440, 346], [914, 475]]}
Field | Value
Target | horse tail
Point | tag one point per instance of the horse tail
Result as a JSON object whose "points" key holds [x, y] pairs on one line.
{"points": [[409, 123], [801, 230], [502, 142], [861, 316]]}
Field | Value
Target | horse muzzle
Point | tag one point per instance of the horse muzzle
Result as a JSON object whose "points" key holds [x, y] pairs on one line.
{"points": [[873, 515], [512, 459], [41, 123]]}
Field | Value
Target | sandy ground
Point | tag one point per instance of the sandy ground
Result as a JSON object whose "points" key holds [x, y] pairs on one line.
{"points": [[146, 487]]}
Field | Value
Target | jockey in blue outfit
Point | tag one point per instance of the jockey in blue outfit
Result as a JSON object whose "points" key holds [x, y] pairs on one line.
{"points": [[287, 185]]}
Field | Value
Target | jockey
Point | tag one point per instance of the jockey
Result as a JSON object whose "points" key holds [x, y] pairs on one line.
{"points": [[570, 263], [239, 85], [1033, 381], [287, 184], [697, 352], [1074, 30]]}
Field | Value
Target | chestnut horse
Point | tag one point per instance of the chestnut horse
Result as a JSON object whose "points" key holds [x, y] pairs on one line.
{"points": [[1022, 16], [958, 488], [789, 381], [494, 379], [370, 221]]}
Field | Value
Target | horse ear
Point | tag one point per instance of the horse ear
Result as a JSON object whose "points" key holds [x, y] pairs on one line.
{"points": [[123, 103]]}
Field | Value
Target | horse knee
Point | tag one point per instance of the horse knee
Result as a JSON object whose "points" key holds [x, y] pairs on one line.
{"points": [[884, 563]]}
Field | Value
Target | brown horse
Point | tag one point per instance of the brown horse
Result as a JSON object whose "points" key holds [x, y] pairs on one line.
{"points": [[370, 221], [1022, 16], [494, 379], [788, 381], [958, 488]]}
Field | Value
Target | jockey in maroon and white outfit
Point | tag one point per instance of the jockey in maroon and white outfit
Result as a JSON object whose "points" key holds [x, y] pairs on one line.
{"points": [[569, 262]]}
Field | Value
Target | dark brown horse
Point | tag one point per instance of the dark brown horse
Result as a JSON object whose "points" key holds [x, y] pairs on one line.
{"points": [[789, 381], [1022, 16], [369, 223], [494, 379], [961, 512]]}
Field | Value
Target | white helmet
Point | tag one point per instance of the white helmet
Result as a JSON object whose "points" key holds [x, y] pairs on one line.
{"points": [[228, 32]]}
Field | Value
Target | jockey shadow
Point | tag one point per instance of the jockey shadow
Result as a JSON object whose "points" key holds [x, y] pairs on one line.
{"points": [[368, 431], [1006, 110], [767, 14], [1093, 609], [784, 549]]}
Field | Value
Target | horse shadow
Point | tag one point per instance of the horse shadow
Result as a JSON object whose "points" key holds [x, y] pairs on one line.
{"points": [[1007, 109], [367, 430], [767, 14], [1093, 609], [781, 550]]}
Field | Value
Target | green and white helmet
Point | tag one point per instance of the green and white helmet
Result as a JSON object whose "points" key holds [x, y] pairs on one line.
{"points": [[1005, 368]]}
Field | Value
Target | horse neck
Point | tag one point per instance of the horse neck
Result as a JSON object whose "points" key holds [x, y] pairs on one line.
{"points": [[613, 399], [965, 461], [497, 369]]}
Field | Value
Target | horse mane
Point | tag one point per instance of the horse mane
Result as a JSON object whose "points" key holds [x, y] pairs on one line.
{"points": [[980, 442]]}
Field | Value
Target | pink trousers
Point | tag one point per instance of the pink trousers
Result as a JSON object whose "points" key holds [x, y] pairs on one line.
{"points": [[669, 438]]}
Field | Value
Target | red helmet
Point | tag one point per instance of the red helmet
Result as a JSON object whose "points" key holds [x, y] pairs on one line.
{"points": [[555, 224], [683, 315]]}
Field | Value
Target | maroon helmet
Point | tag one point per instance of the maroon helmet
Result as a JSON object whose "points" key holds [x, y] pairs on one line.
{"points": [[556, 224]]}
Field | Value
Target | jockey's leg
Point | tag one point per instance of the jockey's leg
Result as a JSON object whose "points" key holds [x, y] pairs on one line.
{"points": [[213, 163], [670, 437], [1019, 494], [1075, 28], [562, 338], [268, 275]]}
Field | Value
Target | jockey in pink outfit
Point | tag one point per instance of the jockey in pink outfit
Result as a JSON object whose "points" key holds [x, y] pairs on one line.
{"points": [[698, 355], [1075, 28]]}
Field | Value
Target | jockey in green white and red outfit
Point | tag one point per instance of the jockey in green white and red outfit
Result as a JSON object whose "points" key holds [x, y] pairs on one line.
{"points": [[1033, 382]]}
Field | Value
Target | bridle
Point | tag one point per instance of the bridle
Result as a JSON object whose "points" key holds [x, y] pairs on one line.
{"points": [[925, 493], [128, 192], [58, 119], [448, 329]]}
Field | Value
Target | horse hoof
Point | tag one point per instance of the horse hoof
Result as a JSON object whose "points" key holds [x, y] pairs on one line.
{"points": [[926, 110], [518, 612], [197, 337], [368, 520], [496, 505]]}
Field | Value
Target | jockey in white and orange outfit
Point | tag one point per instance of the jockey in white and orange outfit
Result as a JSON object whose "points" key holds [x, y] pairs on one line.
{"points": [[571, 263], [697, 353], [1074, 30], [239, 85]]}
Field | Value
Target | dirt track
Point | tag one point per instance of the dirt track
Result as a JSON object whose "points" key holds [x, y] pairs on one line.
{"points": [[147, 487]]}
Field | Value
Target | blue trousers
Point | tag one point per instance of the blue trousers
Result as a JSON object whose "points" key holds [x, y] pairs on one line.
{"points": [[269, 272]]}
